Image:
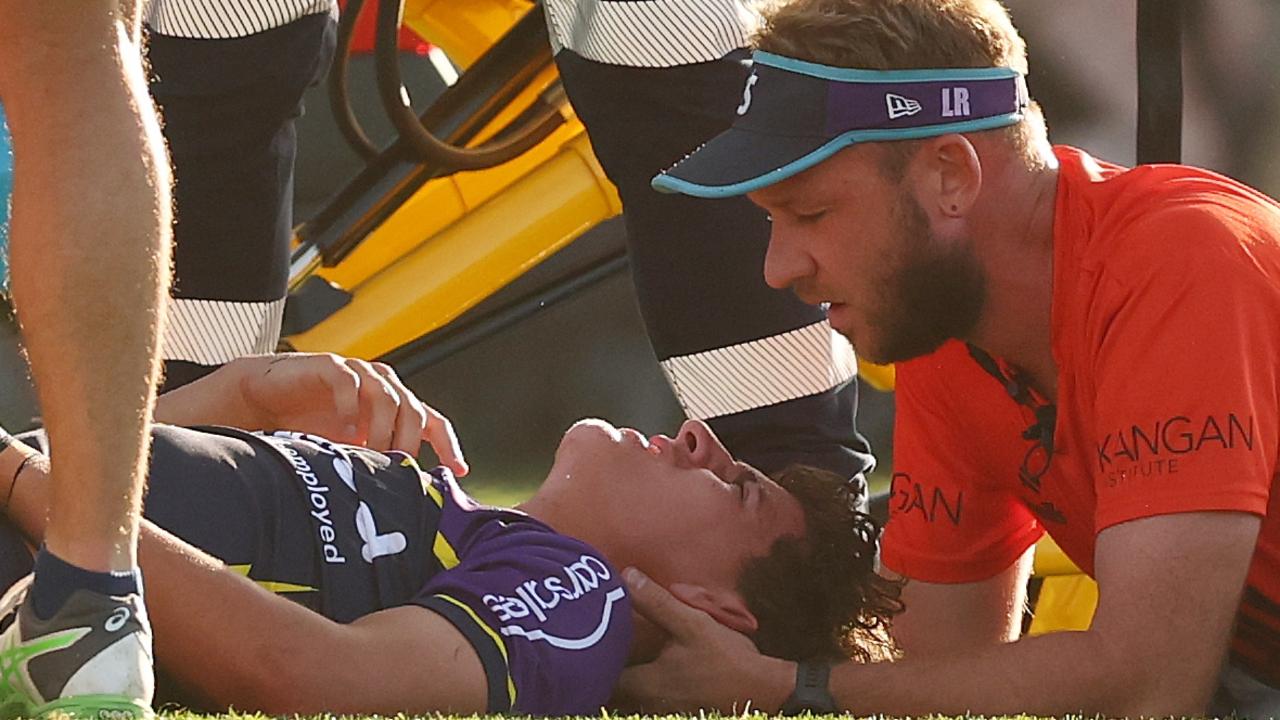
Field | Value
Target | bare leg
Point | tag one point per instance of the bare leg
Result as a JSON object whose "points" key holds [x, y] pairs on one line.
{"points": [[90, 257]]}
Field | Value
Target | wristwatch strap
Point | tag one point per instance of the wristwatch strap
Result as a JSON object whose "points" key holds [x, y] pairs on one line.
{"points": [[811, 693]]}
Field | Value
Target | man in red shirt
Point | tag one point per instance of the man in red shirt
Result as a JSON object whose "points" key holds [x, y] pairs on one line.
{"points": [[1084, 350]]}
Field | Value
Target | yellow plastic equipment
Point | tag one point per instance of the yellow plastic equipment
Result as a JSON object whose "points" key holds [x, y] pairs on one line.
{"points": [[463, 237], [1067, 598]]}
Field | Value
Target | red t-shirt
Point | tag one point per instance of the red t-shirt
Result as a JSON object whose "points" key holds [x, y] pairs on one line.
{"points": [[1166, 334]]}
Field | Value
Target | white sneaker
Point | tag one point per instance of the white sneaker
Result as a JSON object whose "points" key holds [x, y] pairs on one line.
{"points": [[91, 660]]}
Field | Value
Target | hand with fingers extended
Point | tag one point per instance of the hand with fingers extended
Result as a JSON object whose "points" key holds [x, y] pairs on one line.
{"points": [[704, 665], [344, 399]]}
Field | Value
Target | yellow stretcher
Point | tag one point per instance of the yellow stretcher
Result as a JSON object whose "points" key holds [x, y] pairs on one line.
{"points": [[407, 250]]}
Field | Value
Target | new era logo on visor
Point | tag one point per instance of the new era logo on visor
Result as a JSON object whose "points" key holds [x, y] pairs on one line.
{"points": [[900, 106], [746, 94]]}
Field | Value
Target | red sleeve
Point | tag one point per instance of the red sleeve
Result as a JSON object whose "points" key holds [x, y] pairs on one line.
{"points": [[948, 521], [1186, 351]]}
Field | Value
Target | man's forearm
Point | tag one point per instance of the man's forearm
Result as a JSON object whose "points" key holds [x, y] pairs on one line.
{"points": [[962, 658], [1169, 591], [214, 399], [1052, 675]]}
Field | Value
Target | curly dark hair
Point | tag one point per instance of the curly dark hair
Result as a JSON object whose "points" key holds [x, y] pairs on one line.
{"points": [[819, 596]]}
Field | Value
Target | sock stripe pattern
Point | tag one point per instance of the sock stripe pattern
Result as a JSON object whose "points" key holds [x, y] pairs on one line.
{"points": [[762, 372], [223, 19], [212, 332], [650, 33]]}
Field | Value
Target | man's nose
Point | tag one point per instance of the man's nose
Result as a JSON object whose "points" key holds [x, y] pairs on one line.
{"points": [[784, 263], [703, 447]]}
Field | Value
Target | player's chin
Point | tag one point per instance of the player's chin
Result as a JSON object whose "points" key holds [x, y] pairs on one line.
{"points": [[594, 426], [586, 438]]}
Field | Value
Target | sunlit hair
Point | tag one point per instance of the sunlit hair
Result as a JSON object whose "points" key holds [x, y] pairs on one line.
{"points": [[905, 35], [819, 596]]}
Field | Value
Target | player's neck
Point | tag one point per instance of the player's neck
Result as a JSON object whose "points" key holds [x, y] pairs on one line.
{"points": [[541, 507], [1017, 253], [550, 506]]}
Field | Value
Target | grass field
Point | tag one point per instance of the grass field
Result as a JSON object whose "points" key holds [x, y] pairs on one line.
{"points": [[603, 715]]}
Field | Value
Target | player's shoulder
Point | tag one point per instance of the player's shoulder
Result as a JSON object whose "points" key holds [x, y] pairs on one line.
{"points": [[1202, 244], [1164, 218], [530, 568], [548, 614]]}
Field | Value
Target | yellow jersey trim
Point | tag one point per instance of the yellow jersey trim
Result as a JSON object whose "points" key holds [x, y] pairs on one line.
{"points": [[497, 640]]}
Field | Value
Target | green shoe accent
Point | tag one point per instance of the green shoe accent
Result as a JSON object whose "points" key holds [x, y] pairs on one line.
{"points": [[14, 701], [95, 707]]}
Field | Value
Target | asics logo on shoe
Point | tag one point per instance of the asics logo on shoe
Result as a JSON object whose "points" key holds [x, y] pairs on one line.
{"points": [[118, 618]]}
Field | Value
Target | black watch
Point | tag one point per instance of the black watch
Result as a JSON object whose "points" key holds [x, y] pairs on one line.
{"points": [[811, 693]]}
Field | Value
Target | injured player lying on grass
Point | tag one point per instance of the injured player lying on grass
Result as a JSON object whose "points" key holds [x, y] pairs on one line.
{"points": [[291, 574]]}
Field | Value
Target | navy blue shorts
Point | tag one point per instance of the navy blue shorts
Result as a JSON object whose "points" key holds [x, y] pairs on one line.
{"points": [[229, 108]]}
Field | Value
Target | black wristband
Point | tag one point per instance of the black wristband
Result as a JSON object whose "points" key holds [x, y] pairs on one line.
{"points": [[16, 474], [811, 693]]}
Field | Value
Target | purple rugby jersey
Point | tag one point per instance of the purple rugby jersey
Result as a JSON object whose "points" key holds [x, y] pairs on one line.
{"points": [[547, 615], [346, 532]]}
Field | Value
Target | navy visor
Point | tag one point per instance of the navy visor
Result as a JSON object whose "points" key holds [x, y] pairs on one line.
{"points": [[795, 114]]}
